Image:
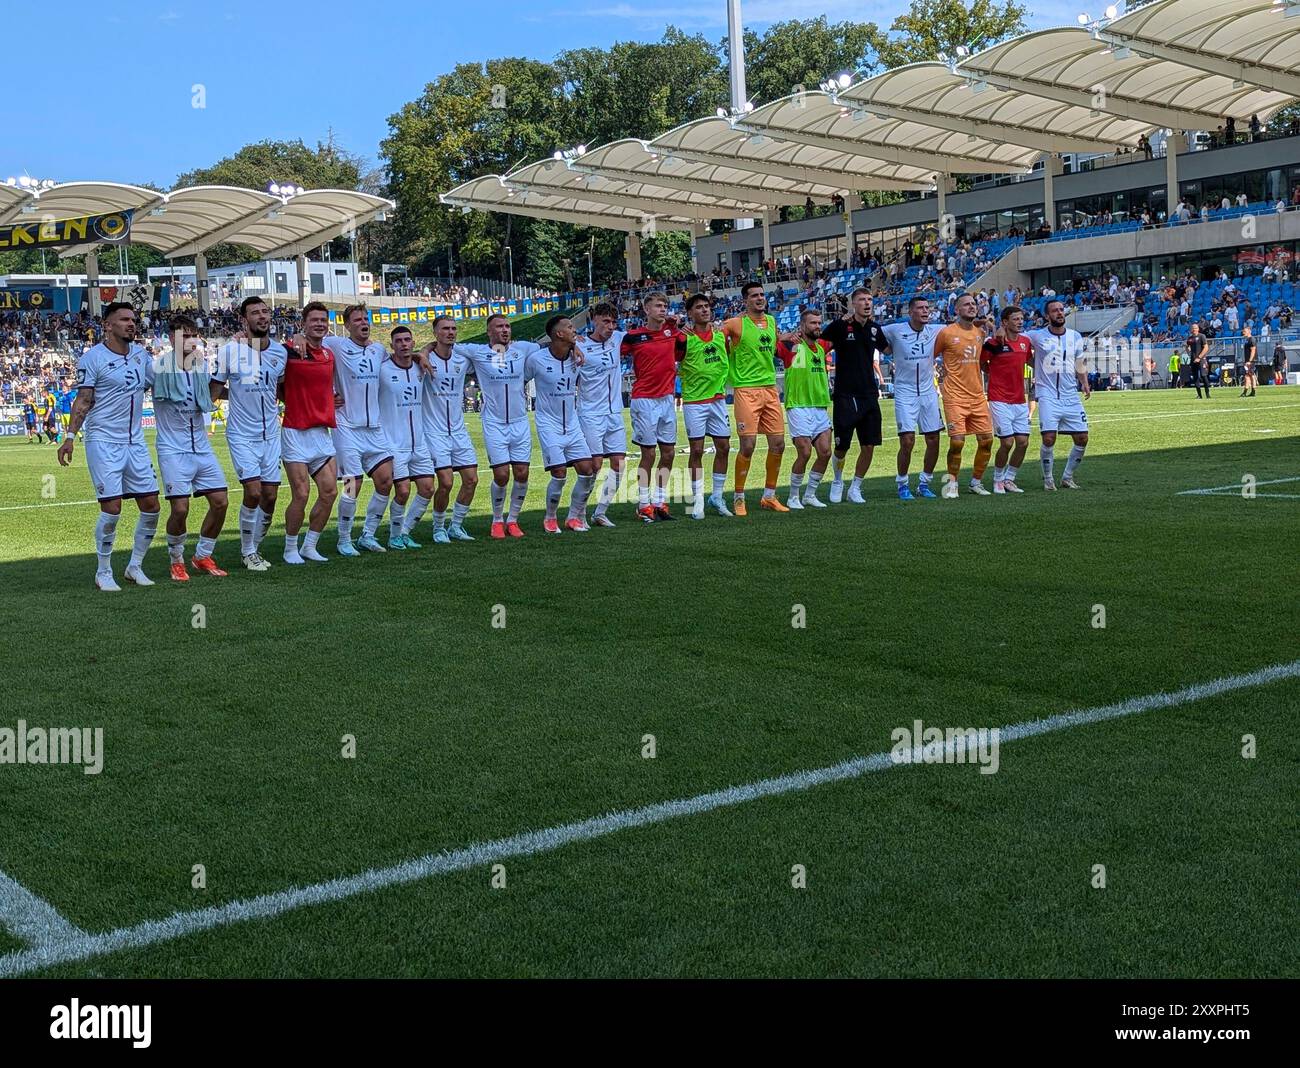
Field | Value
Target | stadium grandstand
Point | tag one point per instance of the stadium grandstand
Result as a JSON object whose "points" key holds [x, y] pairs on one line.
{"points": [[1121, 164]]}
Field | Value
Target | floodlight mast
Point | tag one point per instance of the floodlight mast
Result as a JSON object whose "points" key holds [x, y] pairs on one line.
{"points": [[736, 63]]}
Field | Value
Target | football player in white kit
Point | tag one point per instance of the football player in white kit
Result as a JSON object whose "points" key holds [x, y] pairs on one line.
{"points": [[360, 445], [916, 401], [182, 399], [507, 436], [249, 370], [552, 370], [1061, 386], [600, 404], [401, 411], [110, 397], [445, 434]]}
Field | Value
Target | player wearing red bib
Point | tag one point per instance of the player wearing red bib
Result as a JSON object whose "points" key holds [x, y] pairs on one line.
{"points": [[1004, 358], [306, 448], [652, 349]]}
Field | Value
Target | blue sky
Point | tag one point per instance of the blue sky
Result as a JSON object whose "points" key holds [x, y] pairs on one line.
{"points": [[119, 108]]}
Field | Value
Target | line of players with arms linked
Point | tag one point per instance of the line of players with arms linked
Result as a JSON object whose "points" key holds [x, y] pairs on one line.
{"points": [[352, 409]]}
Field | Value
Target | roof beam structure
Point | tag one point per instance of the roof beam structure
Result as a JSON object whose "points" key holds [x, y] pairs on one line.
{"points": [[715, 141], [816, 119], [1239, 40], [932, 95]]}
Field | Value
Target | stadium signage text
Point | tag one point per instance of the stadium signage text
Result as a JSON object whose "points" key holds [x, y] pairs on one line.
{"points": [[113, 227], [426, 314]]}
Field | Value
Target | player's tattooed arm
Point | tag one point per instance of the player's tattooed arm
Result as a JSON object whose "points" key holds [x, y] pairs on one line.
{"points": [[80, 409]]}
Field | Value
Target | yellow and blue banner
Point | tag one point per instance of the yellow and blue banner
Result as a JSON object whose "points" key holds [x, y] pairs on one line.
{"points": [[111, 228]]}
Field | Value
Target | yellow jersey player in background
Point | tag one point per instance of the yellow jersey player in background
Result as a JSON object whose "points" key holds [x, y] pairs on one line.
{"points": [[965, 408]]}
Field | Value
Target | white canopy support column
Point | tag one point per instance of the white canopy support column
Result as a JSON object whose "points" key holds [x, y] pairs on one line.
{"points": [[768, 216], [943, 185], [1053, 166], [698, 230], [849, 237], [632, 253], [1175, 143], [304, 280], [201, 283], [92, 281]]}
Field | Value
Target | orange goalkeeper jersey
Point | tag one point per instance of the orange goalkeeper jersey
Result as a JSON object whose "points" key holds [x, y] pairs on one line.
{"points": [[960, 349]]}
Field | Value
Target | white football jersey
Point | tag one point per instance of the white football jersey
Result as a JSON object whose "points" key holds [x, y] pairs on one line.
{"points": [[1057, 360], [913, 355], [501, 378], [182, 426], [400, 390], [119, 384], [600, 378], [251, 377], [556, 382], [444, 393], [356, 377]]}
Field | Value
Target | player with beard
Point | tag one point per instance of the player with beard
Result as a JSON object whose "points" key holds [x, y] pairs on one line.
{"points": [[110, 397], [248, 373], [751, 349], [446, 435]]}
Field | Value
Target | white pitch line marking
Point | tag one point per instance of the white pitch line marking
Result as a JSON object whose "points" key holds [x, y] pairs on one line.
{"points": [[1188, 413], [1236, 486], [55, 504], [530, 843], [31, 918]]}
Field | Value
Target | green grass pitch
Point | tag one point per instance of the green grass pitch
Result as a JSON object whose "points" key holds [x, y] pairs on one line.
{"points": [[223, 743]]}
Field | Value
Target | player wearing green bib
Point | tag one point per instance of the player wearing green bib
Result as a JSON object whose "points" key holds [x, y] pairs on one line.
{"points": [[807, 396], [704, 369], [751, 346]]}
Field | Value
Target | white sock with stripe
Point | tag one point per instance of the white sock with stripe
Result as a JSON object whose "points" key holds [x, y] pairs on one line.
{"points": [[105, 535]]}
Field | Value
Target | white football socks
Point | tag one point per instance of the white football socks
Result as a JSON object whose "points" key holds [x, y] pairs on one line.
{"points": [[581, 494], [554, 490], [375, 508], [498, 501], [518, 491], [206, 547], [347, 513], [608, 490], [1075, 458], [145, 528], [105, 535], [1045, 457], [248, 529], [176, 548], [396, 518], [415, 513], [263, 525]]}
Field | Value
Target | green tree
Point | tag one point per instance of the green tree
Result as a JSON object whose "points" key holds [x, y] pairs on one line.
{"points": [[472, 121], [256, 166], [931, 29], [805, 53], [635, 89]]}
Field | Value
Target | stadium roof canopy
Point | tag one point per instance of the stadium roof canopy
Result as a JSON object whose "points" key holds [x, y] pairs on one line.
{"points": [[187, 221], [1176, 64], [491, 193], [809, 170], [934, 95]]}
